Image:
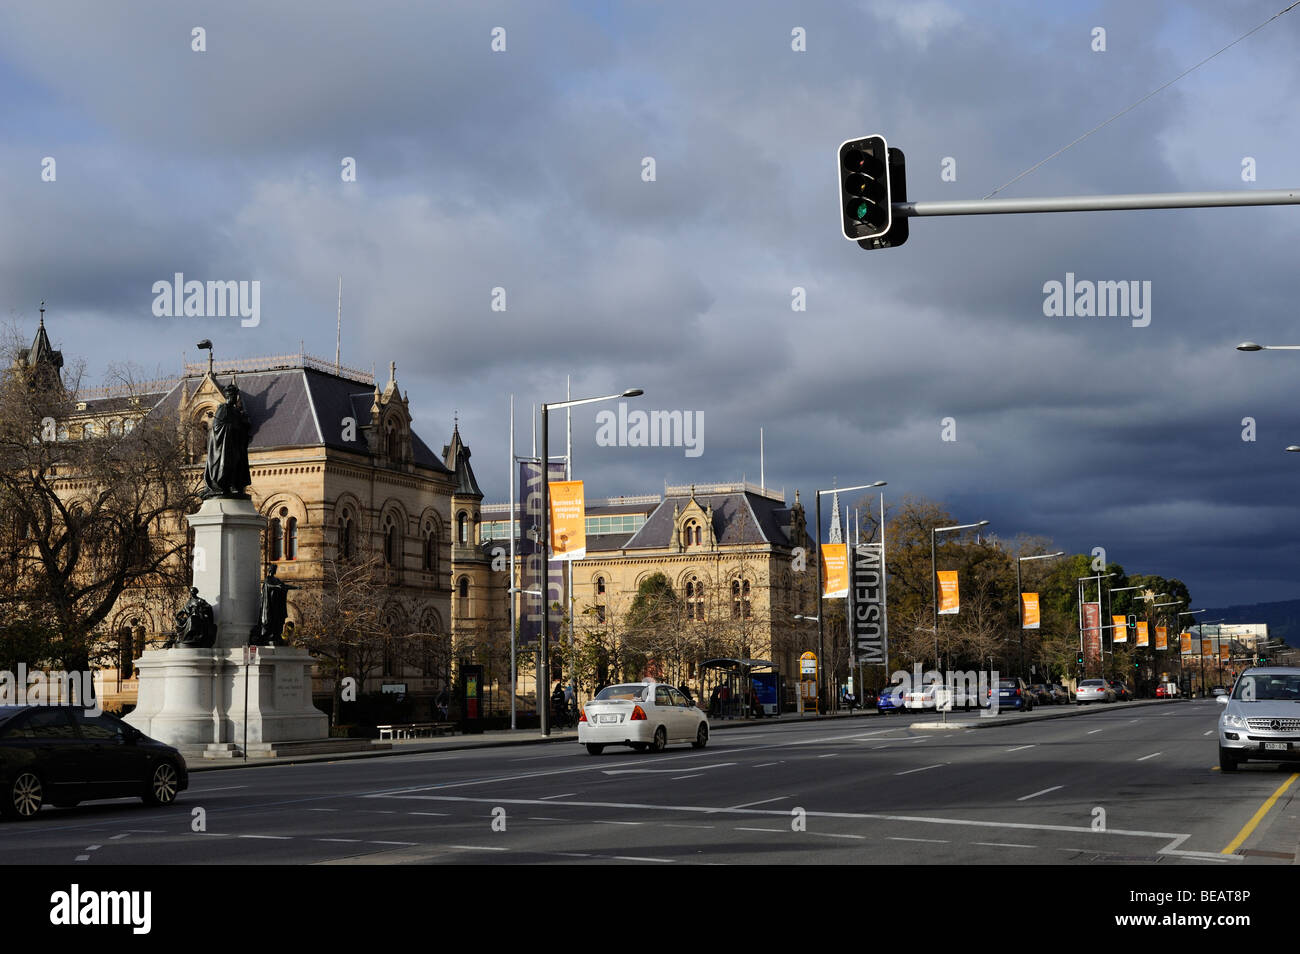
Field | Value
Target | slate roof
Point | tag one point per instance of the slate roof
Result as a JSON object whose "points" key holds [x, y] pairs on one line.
{"points": [[302, 407], [738, 518]]}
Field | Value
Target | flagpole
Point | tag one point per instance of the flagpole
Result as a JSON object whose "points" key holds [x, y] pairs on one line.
{"points": [[510, 578]]}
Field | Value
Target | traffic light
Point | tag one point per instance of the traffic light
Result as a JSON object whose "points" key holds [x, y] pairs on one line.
{"points": [[1080, 659], [1132, 622], [872, 178]]}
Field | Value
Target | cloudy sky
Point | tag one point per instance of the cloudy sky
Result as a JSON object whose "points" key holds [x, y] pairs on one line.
{"points": [[522, 169]]}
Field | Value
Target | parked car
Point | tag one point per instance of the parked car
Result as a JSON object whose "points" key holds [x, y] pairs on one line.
{"points": [[1059, 693], [934, 696], [62, 755], [643, 715], [890, 699], [1014, 694], [869, 699], [1122, 691], [1042, 695], [1093, 690], [1261, 720]]}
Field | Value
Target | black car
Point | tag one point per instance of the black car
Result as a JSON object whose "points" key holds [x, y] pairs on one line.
{"points": [[63, 755], [1122, 692]]}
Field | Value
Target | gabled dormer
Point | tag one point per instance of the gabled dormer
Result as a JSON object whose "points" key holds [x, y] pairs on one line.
{"points": [[693, 526], [388, 433]]}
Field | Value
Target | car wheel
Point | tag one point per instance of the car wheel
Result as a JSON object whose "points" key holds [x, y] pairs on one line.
{"points": [[661, 740], [1227, 761], [163, 785], [25, 797], [595, 748], [701, 737]]}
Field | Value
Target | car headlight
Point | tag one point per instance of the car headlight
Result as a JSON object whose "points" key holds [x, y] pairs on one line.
{"points": [[1233, 721]]}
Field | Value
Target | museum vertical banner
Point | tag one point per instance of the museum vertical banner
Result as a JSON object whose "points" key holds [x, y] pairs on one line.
{"points": [[949, 595], [1092, 631], [835, 571], [1029, 610], [870, 629], [532, 555], [568, 525]]}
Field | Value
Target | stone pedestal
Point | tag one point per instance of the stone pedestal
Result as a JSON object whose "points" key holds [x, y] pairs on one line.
{"points": [[228, 565], [197, 698]]}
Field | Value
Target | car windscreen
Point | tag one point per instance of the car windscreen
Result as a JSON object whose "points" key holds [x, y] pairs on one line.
{"points": [[632, 693], [1268, 688], [1091, 684], [1008, 684]]}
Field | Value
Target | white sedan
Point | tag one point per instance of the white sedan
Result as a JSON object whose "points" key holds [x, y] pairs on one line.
{"points": [[644, 715]]}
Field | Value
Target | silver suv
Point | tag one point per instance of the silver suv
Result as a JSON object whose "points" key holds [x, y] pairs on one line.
{"points": [[1261, 718]]}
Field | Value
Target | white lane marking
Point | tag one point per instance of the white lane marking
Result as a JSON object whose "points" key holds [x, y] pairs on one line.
{"points": [[1093, 731], [322, 809], [766, 764], [1151, 756], [543, 818], [919, 740], [1025, 798], [83, 857], [1001, 844], [349, 841], [828, 834], [216, 834], [573, 854], [646, 771], [933, 841], [116, 837], [563, 795], [602, 821], [752, 804], [94, 847], [1211, 732], [830, 756], [1019, 748], [663, 861], [476, 848], [671, 825], [439, 814], [678, 778], [1174, 839], [392, 843], [777, 830], [923, 769], [269, 837], [224, 788]]}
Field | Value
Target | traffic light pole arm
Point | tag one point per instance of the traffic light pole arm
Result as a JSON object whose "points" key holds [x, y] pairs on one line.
{"points": [[1098, 203]]}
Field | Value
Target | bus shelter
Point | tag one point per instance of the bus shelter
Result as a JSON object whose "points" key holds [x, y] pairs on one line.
{"points": [[739, 688]]}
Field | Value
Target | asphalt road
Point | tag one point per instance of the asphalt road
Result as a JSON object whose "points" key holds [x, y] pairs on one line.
{"points": [[1132, 785]]}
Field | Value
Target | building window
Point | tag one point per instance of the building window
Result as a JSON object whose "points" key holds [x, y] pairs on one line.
{"points": [[347, 538], [600, 586], [741, 608], [694, 599], [392, 543], [692, 533], [429, 552], [291, 539], [276, 540], [462, 529], [463, 589]]}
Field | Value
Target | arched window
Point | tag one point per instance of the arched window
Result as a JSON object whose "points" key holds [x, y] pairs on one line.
{"points": [[291, 539], [463, 589], [115, 428], [429, 551], [694, 598], [128, 426], [741, 608], [392, 542], [600, 586], [689, 536], [746, 610], [347, 536], [462, 529], [275, 540], [735, 599], [87, 431]]}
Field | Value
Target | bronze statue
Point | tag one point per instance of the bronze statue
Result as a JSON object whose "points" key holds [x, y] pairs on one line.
{"points": [[226, 472], [275, 610], [196, 627]]}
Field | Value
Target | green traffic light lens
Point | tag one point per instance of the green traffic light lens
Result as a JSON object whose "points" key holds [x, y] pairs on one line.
{"points": [[860, 211]]}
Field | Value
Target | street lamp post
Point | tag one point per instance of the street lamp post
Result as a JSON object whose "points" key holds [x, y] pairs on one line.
{"points": [[1020, 610], [821, 627], [544, 666], [934, 580]]}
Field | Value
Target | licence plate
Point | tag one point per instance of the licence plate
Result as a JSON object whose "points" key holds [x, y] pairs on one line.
{"points": [[1277, 746], [606, 719]]}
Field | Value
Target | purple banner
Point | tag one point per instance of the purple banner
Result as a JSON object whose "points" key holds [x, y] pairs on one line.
{"points": [[531, 551]]}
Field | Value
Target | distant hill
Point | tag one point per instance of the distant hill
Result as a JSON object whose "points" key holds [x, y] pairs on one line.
{"points": [[1283, 618]]}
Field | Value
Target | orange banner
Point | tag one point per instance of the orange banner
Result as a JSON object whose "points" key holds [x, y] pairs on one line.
{"points": [[1029, 610], [1119, 633], [835, 570], [1207, 647], [568, 521], [949, 597], [1162, 638], [1185, 641], [1143, 637], [1223, 654]]}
